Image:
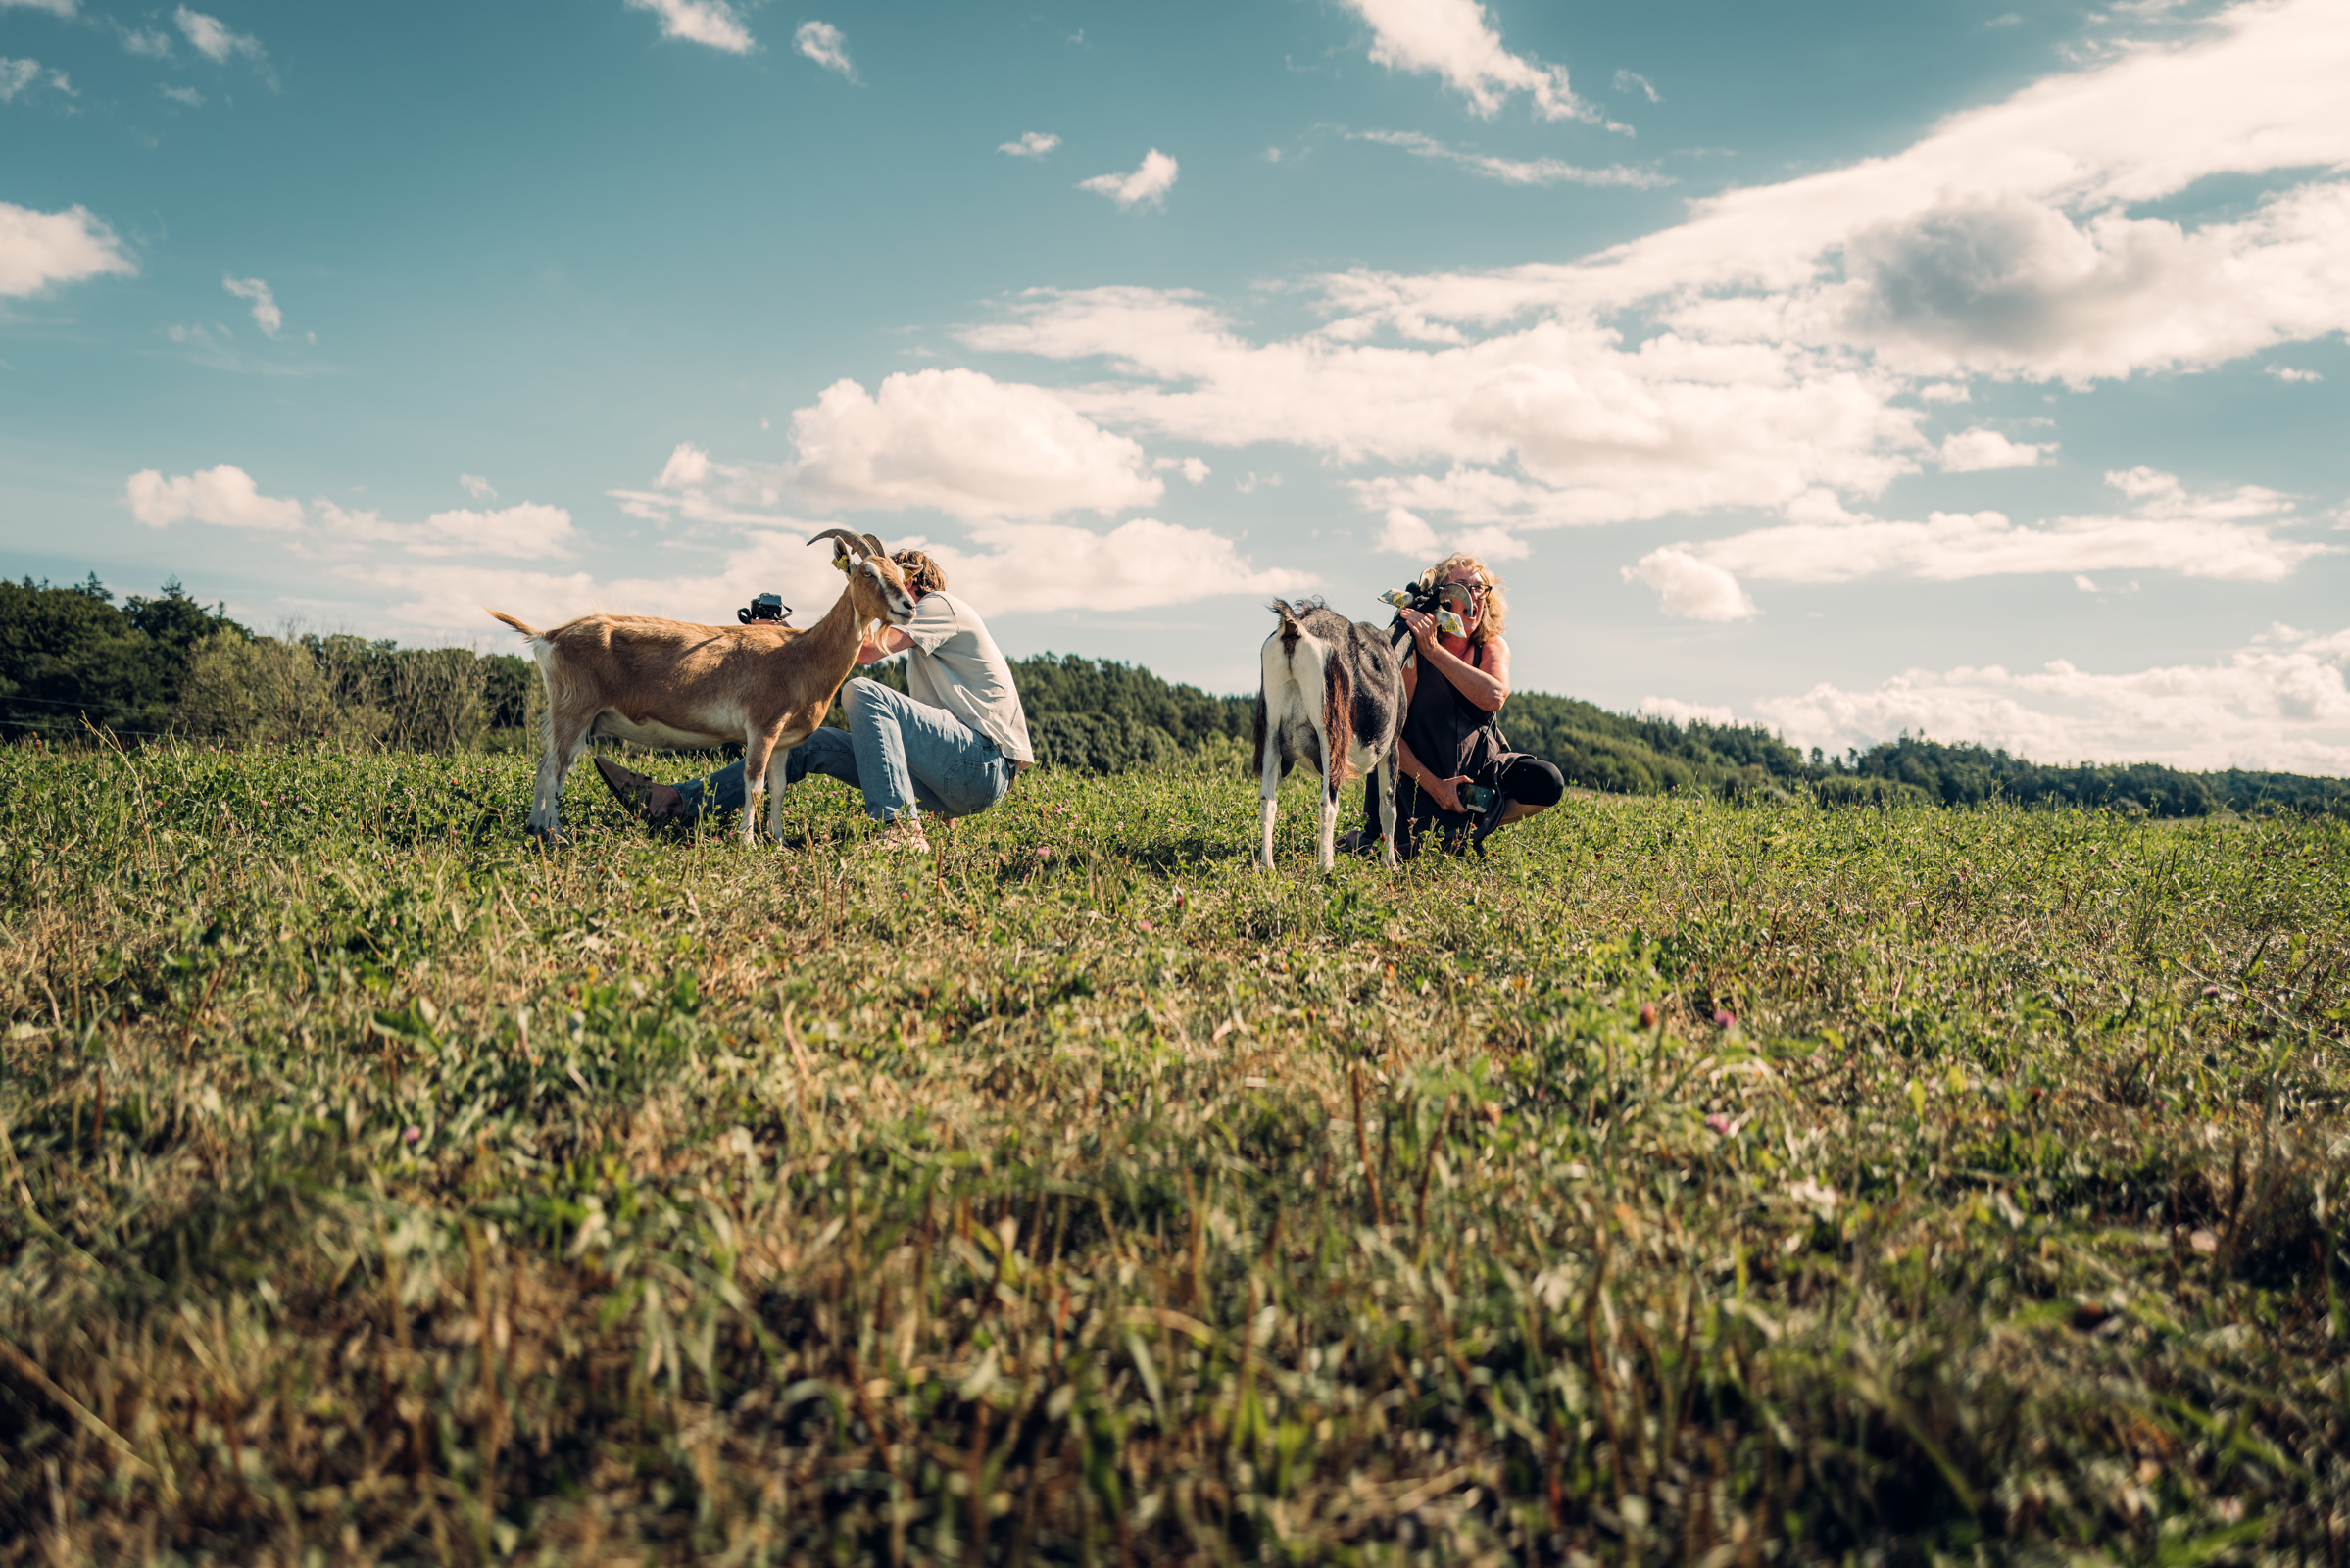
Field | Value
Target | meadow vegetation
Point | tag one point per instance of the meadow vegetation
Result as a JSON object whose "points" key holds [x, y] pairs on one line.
{"points": [[1688, 1181]]}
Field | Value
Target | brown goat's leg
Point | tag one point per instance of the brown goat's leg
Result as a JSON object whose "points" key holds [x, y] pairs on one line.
{"points": [[567, 737], [757, 750], [781, 754]]}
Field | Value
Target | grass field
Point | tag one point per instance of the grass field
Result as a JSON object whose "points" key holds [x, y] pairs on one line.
{"points": [[1685, 1182]]}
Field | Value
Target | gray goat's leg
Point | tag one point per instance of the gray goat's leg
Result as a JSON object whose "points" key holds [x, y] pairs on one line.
{"points": [[1269, 785], [1388, 766], [1326, 846]]}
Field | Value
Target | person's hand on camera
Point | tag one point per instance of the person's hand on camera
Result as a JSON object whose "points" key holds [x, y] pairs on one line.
{"points": [[1423, 629], [1446, 791]]}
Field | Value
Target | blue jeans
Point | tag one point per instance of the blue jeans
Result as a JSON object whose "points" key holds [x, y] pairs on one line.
{"points": [[897, 751]]}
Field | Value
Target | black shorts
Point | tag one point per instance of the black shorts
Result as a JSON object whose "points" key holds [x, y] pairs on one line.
{"points": [[1525, 781]]}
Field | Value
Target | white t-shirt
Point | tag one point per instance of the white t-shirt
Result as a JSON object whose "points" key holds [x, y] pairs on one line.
{"points": [[954, 665]]}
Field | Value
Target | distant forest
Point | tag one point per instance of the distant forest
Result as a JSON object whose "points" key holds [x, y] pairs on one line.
{"points": [[73, 661]]}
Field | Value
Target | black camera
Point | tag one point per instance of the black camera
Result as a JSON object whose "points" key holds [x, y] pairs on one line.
{"points": [[1443, 599], [766, 607]]}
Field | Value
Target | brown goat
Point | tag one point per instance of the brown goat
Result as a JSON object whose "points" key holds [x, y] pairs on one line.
{"points": [[674, 683]]}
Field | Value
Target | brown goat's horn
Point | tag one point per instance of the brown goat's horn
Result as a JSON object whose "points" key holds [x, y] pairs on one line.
{"points": [[878, 548], [845, 537]]}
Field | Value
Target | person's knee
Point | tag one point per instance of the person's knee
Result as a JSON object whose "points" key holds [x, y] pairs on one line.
{"points": [[1537, 784], [860, 692]]}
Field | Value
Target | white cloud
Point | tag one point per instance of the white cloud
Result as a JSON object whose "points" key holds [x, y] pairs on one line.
{"points": [[688, 467], [1194, 470], [1981, 449], [705, 22], [1600, 433], [1674, 711], [1454, 40], [18, 76], [2086, 584], [56, 8], [1033, 145], [38, 250], [526, 529], [1627, 80], [2279, 702], [823, 43], [2286, 373], [695, 488], [1040, 567], [966, 444], [187, 96], [228, 497], [1514, 171], [1406, 533], [225, 496], [2230, 536], [1148, 183], [1691, 588], [212, 39], [478, 487], [265, 314], [152, 43]]}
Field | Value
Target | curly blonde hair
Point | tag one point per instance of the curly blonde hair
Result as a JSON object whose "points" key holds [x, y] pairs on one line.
{"points": [[923, 573], [1496, 607]]}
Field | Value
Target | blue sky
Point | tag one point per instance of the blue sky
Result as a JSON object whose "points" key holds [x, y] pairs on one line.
{"points": [[1846, 368]]}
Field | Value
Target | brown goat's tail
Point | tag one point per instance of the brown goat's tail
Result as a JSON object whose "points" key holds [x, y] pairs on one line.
{"points": [[516, 624], [1338, 721]]}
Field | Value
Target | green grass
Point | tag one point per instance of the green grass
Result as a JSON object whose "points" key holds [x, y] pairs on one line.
{"points": [[382, 1189]]}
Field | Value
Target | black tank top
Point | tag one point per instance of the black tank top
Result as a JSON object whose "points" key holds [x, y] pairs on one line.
{"points": [[1450, 735]]}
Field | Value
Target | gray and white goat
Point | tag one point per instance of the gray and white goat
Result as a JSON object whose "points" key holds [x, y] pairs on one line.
{"points": [[1332, 697]]}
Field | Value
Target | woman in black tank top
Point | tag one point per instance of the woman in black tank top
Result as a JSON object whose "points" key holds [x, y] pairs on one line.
{"points": [[1450, 741]]}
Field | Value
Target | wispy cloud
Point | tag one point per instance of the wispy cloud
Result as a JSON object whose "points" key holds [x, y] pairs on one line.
{"points": [[478, 487], [1628, 80], [265, 314], [24, 76], [2226, 535], [712, 23], [1149, 184], [1513, 171], [187, 96], [824, 43], [212, 39], [55, 8], [1455, 40], [1033, 144], [39, 250]]}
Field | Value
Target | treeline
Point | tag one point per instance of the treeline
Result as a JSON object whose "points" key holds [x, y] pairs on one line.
{"points": [[1637, 755], [167, 665], [73, 663]]}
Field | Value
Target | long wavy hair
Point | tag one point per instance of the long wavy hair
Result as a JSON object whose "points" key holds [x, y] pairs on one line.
{"points": [[921, 573], [1496, 607]]}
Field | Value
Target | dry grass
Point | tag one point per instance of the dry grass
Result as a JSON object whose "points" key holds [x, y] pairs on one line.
{"points": [[382, 1190]]}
